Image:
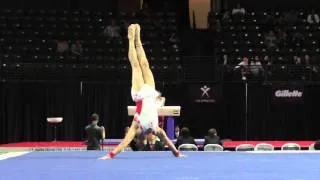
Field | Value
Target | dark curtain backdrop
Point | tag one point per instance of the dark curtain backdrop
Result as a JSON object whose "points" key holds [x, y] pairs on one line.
{"points": [[25, 106]]}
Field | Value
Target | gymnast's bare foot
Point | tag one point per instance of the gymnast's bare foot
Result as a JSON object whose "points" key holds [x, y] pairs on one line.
{"points": [[179, 155], [137, 35], [131, 32]]}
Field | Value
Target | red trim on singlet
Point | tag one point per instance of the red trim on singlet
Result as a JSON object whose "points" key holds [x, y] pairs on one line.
{"points": [[139, 107], [138, 111]]}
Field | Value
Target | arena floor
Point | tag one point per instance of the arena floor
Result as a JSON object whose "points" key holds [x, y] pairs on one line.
{"points": [[79, 165]]}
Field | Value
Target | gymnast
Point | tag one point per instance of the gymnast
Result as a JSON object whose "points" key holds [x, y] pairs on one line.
{"points": [[145, 96]]}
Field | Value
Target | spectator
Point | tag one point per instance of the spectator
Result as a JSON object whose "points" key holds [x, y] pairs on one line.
{"points": [[63, 47], [152, 143], [243, 65], [271, 40], [225, 17], [238, 10], [256, 67], [296, 60], [136, 143], [313, 18], [225, 60], [176, 132], [317, 145], [112, 30], [307, 61], [185, 137], [94, 133], [212, 137], [76, 48]]}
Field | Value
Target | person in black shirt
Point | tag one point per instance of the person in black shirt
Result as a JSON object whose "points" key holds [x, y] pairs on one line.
{"points": [[152, 143], [94, 133], [185, 137], [212, 137]]}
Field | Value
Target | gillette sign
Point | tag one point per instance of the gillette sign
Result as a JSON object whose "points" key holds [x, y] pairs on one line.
{"points": [[287, 93]]}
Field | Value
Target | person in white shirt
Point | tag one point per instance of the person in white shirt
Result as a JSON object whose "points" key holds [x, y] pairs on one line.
{"points": [[244, 67], [238, 10], [313, 18], [256, 66]]}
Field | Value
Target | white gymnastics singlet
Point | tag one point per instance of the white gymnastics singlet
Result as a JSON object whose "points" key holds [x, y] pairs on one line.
{"points": [[146, 108]]}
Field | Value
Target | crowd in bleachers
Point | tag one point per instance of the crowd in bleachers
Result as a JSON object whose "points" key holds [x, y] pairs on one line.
{"points": [[83, 36], [267, 39]]}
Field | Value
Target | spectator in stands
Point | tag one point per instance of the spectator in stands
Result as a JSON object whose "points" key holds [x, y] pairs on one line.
{"points": [[185, 137], [152, 143], [62, 47], [266, 63], [243, 66], [174, 42], [94, 133], [313, 18], [76, 48], [306, 61], [112, 30], [238, 10], [212, 137], [225, 17], [256, 68], [296, 60], [271, 40], [225, 60], [176, 132]]}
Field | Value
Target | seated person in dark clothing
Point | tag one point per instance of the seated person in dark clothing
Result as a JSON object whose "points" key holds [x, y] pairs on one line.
{"points": [[136, 144], [212, 137], [317, 145], [94, 133], [185, 137], [152, 143]]}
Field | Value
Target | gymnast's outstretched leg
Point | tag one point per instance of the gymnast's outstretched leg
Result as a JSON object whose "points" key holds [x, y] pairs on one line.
{"points": [[144, 64], [163, 136]]}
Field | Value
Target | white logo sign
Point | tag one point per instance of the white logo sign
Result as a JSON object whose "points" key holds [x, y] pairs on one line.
{"points": [[287, 93], [205, 89]]}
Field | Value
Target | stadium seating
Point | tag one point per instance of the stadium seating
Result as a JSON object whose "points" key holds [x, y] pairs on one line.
{"points": [[31, 36]]}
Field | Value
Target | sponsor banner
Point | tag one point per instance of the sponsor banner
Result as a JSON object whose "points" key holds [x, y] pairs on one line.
{"points": [[205, 93], [287, 93]]}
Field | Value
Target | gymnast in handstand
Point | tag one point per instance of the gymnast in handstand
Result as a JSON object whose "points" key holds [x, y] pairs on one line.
{"points": [[145, 96]]}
